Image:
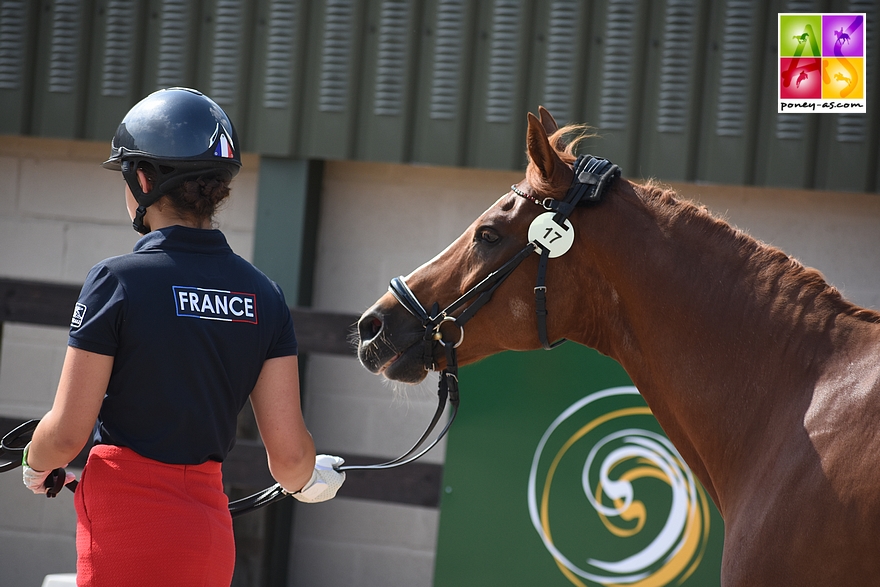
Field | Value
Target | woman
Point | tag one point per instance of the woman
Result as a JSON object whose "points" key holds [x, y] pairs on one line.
{"points": [[166, 344]]}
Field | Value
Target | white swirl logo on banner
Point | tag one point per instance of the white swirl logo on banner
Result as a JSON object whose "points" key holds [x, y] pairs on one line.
{"points": [[620, 454]]}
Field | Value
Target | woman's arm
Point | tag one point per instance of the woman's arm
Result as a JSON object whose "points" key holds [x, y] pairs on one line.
{"points": [[276, 403], [65, 429]]}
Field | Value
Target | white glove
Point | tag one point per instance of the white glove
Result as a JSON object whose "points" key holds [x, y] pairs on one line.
{"points": [[36, 480], [325, 481]]}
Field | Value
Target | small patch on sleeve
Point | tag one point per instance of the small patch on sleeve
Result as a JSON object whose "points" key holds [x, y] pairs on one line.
{"points": [[79, 314]]}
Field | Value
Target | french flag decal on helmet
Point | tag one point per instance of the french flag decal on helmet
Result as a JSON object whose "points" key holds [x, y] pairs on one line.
{"points": [[223, 148]]}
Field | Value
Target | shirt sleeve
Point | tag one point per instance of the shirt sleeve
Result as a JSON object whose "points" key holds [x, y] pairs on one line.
{"points": [[98, 313]]}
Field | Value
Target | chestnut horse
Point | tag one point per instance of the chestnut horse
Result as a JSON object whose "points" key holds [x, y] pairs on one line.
{"points": [[763, 376]]}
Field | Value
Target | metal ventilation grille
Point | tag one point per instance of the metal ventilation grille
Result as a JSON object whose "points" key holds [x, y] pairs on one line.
{"points": [[734, 72], [116, 77], [502, 61], [790, 126], [617, 67], [172, 50], [675, 70], [561, 44], [802, 6], [279, 53], [851, 128], [12, 22], [227, 40], [65, 46], [335, 56], [393, 18], [447, 59]]}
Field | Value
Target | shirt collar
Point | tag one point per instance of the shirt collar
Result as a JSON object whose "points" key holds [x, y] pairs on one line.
{"points": [[182, 238]]}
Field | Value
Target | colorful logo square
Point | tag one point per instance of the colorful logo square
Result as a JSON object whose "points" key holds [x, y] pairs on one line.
{"points": [[822, 63], [800, 78], [843, 79], [800, 34], [843, 35]]}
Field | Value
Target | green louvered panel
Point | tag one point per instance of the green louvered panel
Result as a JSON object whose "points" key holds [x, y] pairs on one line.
{"points": [[847, 143], [171, 54], [673, 75], [500, 78], [334, 66], [115, 60], [675, 89], [387, 89], [616, 77], [278, 76], [559, 60], [733, 77], [62, 68], [785, 154], [18, 35], [444, 80], [225, 57]]}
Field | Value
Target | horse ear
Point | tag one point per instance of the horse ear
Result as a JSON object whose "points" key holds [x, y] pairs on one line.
{"points": [[541, 154], [547, 121]]}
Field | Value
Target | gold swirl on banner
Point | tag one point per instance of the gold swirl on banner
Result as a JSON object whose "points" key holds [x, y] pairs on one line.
{"points": [[679, 562]]}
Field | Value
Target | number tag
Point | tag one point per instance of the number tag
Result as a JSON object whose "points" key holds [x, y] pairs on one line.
{"points": [[550, 235]]}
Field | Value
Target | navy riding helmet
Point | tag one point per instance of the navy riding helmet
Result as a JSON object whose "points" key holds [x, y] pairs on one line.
{"points": [[179, 132]]}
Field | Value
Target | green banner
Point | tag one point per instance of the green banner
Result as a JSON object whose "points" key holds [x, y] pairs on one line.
{"points": [[557, 474]]}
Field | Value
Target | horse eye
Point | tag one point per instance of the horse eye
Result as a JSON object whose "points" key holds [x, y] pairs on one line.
{"points": [[487, 235]]}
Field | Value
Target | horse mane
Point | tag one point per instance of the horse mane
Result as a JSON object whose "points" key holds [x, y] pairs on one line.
{"points": [[669, 209], [790, 273]]}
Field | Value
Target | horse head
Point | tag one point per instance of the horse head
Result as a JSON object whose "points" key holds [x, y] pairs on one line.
{"points": [[393, 340]]}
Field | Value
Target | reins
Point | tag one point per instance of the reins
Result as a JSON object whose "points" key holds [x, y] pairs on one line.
{"points": [[592, 176]]}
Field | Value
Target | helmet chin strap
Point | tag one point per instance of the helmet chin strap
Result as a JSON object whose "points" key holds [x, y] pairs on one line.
{"points": [[129, 173], [138, 222]]}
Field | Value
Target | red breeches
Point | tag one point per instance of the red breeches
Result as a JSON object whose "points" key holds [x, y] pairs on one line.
{"points": [[142, 522]]}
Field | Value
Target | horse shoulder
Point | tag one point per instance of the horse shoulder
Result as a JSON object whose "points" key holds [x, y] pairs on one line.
{"points": [[843, 421]]}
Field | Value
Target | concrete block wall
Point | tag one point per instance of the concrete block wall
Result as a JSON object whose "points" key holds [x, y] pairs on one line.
{"points": [[392, 218]]}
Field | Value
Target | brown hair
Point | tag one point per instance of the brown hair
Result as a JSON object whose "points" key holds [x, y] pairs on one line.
{"points": [[197, 200], [200, 199]]}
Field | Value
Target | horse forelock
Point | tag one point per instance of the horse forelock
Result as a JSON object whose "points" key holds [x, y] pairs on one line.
{"points": [[775, 264]]}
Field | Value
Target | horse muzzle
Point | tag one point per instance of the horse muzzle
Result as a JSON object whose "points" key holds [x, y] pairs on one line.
{"points": [[392, 343]]}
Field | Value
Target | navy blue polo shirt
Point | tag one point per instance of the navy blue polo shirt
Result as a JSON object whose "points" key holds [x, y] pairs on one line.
{"points": [[189, 324]]}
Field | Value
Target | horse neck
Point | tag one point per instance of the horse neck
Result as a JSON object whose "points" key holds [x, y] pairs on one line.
{"points": [[710, 324]]}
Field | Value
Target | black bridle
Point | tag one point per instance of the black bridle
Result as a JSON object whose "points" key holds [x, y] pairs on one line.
{"points": [[592, 176]]}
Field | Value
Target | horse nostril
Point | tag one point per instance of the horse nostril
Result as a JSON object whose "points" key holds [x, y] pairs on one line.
{"points": [[369, 327]]}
